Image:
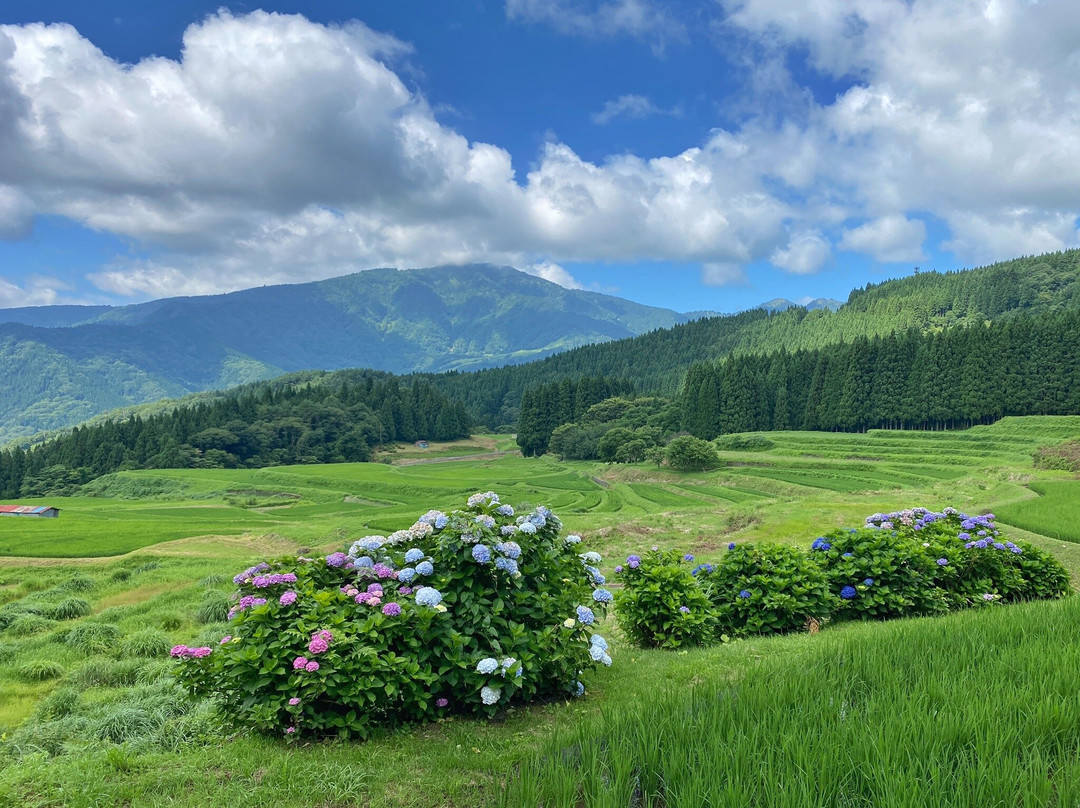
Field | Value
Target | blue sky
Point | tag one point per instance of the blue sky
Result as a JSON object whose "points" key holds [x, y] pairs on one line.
{"points": [[701, 154]]}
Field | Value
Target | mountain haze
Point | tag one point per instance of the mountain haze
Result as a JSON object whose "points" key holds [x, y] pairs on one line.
{"points": [[65, 364]]}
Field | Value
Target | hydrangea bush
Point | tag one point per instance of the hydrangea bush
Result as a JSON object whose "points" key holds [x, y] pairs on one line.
{"points": [[661, 605], [910, 562], [767, 589], [463, 612]]}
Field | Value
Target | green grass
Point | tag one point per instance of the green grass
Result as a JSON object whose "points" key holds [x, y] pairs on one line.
{"points": [[99, 724], [913, 713], [1055, 512]]}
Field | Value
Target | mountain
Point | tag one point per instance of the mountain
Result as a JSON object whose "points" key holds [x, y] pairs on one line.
{"points": [[783, 304], [657, 362], [65, 364]]}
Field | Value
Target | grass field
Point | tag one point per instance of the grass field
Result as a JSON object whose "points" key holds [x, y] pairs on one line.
{"points": [[91, 717]]}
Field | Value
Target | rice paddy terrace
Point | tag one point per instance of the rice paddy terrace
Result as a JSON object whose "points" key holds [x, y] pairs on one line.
{"points": [[776, 493]]}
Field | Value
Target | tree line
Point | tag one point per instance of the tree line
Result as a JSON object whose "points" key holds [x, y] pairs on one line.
{"points": [[318, 418]]}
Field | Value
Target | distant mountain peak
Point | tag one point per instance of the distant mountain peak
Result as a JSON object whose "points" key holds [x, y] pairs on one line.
{"points": [[782, 304]]}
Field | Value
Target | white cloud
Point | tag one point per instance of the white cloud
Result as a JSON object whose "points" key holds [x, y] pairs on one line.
{"points": [[16, 214], [889, 239], [719, 274], [648, 20], [277, 149], [805, 253], [967, 109], [555, 274], [35, 291], [630, 106]]}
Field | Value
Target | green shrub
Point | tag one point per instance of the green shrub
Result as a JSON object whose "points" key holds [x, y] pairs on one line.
{"points": [[149, 566], [78, 583], [171, 621], [878, 574], [214, 608], [450, 616], [687, 453], [149, 642], [13, 611], [27, 625], [210, 581], [70, 609], [40, 670], [743, 443], [121, 575], [51, 737], [766, 589], [661, 604], [93, 638]]}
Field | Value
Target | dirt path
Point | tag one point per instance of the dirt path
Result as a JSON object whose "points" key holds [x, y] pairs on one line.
{"points": [[416, 461]]}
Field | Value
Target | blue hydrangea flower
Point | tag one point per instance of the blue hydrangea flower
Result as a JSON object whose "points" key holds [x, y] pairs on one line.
{"points": [[528, 528], [1016, 550], [425, 568], [507, 565], [597, 640], [963, 536], [684, 609], [364, 561], [820, 544], [601, 596], [428, 596], [731, 545], [591, 557], [414, 555], [508, 663], [508, 530], [595, 576], [481, 554], [441, 521], [585, 615], [597, 653], [579, 689], [633, 561], [744, 594], [848, 555], [406, 575], [701, 568], [982, 544], [688, 558], [510, 549], [490, 695], [869, 582], [487, 666], [848, 592], [573, 538], [504, 510], [944, 562], [485, 521]]}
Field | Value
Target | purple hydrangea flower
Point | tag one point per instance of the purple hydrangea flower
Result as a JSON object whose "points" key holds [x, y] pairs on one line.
{"points": [[944, 562], [391, 609], [744, 594], [633, 562]]}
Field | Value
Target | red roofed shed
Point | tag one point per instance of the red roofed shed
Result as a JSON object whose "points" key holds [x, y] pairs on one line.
{"points": [[29, 510]]}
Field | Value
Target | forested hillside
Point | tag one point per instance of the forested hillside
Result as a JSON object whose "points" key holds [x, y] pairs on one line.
{"points": [[309, 418], [657, 362], [62, 366]]}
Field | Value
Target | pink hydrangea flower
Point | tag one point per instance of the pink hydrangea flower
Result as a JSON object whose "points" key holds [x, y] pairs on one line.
{"points": [[312, 666], [391, 609], [224, 639], [299, 662], [318, 645], [441, 702], [290, 730], [294, 701], [288, 598]]}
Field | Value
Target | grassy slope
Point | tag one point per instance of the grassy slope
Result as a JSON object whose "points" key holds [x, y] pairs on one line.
{"points": [[460, 762]]}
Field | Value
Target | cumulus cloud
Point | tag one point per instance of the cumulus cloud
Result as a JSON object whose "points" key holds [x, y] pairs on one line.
{"points": [[648, 20], [556, 274], [968, 109], [277, 149], [889, 239], [805, 253], [630, 106], [34, 291]]}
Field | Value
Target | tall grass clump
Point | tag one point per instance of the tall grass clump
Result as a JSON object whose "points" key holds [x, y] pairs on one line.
{"points": [[93, 638], [148, 642], [40, 670], [27, 625], [70, 609], [976, 708], [214, 608]]}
